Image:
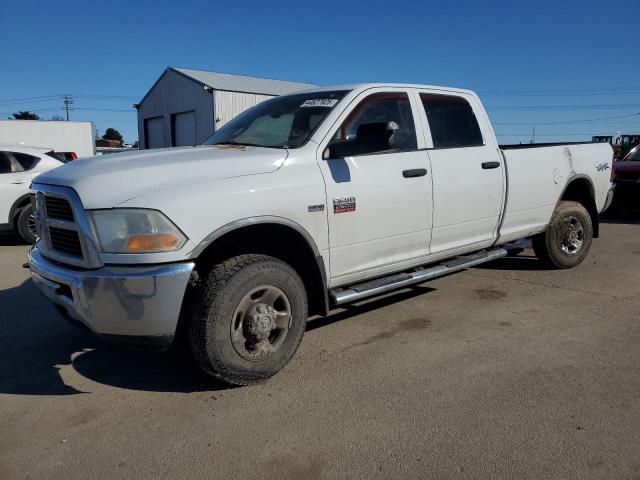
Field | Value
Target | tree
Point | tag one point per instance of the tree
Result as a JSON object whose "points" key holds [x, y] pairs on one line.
{"points": [[112, 134], [57, 118], [25, 115]]}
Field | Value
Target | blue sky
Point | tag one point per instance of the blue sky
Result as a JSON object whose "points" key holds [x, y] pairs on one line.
{"points": [[534, 63]]}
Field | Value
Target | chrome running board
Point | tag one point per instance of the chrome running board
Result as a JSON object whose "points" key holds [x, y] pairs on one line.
{"points": [[379, 286]]}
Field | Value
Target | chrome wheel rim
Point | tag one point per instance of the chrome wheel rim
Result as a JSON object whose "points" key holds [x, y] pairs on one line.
{"points": [[571, 235], [260, 322], [31, 224]]}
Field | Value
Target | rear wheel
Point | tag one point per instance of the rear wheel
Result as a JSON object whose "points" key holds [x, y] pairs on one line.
{"points": [[26, 224], [248, 318], [568, 237]]}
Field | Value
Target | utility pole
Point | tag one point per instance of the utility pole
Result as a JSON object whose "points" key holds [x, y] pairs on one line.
{"points": [[533, 135], [68, 100]]}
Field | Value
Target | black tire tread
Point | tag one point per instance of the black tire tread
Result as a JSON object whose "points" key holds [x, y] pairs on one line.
{"points": [[206, 306], [22, 227], [541, 242]]}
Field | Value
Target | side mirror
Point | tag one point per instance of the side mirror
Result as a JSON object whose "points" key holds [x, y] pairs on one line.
{"points": [[370, 137]]}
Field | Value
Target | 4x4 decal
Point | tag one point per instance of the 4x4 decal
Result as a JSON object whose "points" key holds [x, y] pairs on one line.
{"points": [[344, 204]]}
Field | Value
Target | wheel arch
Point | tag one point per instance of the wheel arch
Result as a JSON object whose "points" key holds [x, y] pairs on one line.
{"points": [[22, 200], [580, 188], [295, 246]]}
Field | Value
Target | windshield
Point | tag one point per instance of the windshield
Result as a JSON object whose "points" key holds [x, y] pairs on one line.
{"points": [[280, 122], [634, 155]]}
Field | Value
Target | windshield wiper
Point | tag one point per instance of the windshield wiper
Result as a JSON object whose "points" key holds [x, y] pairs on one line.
{"points": [[231, 142], [240, 144]]}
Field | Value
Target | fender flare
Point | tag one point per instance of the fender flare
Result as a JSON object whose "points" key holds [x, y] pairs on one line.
{"points": [[592, 190], [15, 207], [579, 176], [258, 220], [272, 219]]}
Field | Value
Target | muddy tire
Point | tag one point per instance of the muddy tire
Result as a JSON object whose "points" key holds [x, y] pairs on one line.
{"points": [[568, 237], [25, 224], [247, 318]]}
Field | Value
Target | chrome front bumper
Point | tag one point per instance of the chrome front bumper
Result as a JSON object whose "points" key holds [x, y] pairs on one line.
{"points": [[134, 306]]}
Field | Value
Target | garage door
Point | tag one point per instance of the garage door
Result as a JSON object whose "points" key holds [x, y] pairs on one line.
{"points": [[154, 132], [184, 129]]}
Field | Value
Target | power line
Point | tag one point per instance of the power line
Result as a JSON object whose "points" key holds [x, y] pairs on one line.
{"points": [[567, 92], [28, 99], [56, 109], [43, 98], [562, 107], [40, 110], [127, 98], [129, 110], [568, 121]]}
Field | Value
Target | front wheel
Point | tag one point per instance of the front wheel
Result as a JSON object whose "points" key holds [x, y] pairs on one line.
{"points": [[248, 318], [26, 224], [568, 237]]}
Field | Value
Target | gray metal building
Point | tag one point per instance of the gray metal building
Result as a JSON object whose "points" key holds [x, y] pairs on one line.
{"points": [[184, 106]]}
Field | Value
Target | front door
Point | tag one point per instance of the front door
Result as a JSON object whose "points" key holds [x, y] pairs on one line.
{"points": [[378, 185]]}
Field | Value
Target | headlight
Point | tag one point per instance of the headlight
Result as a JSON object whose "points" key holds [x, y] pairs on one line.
{"points": [[130, 230]]}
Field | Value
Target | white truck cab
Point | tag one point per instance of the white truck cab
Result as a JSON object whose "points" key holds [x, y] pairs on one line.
{"points": [[305, 202]]}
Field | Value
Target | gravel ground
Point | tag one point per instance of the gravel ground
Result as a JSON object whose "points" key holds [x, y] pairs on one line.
{"points": [[504, 371]]}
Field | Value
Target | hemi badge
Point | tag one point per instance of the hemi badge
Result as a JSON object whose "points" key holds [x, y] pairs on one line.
{"points": [[344, 204], [316, 208]]}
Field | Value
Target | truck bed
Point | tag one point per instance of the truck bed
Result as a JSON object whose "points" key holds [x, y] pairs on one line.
{"points": [[532, 193], [519, 146]]}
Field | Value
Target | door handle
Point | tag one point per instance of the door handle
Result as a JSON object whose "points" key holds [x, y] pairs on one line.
{"points": [[489, 165], [19, 182], [414, 172]]}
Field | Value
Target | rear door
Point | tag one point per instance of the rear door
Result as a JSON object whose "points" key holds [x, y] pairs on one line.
{"points": [[378, 185], [468, 171]]}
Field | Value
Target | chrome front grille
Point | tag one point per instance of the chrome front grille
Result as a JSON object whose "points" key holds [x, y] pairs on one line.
{"points": [[57, 207], [64, 240], [63, 228]]}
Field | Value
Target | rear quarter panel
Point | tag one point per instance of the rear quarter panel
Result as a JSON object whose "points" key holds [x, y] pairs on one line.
{"points": [[537, 177]]}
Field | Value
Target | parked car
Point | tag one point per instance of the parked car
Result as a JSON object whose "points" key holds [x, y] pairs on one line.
{"points": [[65, 156], [626, 180], [302, 203], [19, 165]]}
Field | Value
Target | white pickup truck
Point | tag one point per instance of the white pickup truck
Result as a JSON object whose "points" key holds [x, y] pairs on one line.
{"points": [[303, 203]]}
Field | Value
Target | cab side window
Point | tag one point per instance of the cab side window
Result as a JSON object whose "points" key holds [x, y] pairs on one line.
{"points": [[452, 121], [381, 123]]}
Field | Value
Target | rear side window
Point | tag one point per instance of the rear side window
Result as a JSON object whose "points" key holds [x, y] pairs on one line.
{"points": [[5, 163], [452, 121], [27, 162]]}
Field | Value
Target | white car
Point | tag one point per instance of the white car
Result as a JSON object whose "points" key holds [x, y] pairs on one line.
{"points": [[19, 165], [302, 203]]}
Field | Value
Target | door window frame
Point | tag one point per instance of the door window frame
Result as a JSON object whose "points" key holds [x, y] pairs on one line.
{"points": [[486, 130], [356, 101]]}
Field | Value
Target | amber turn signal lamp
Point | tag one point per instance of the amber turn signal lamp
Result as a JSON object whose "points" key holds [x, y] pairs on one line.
{"points": [[154, 242]]}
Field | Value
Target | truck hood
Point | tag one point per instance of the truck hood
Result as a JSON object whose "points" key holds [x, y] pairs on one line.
{"points": [[108, 180]]}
